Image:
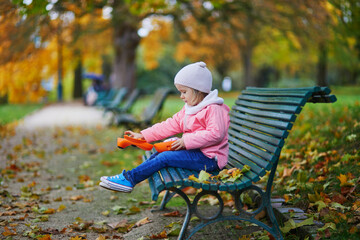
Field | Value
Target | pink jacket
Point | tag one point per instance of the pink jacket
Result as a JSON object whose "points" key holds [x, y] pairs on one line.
{"points": [[206, 130]]}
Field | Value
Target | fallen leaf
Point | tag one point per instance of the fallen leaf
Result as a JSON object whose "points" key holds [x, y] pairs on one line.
{"points": [[133, 210], [189, 190], [45, 237], [161, 235], [193, 178], [8, 232], [175, 229], [344, 181], [173, 214], [105, 213], [120, 224], [204, 176], [288, 172], [76, 198], [142, 222], [101, 237]]}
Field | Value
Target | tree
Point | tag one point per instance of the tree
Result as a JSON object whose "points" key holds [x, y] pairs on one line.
{"points": [[347, 36], [246, 19]]}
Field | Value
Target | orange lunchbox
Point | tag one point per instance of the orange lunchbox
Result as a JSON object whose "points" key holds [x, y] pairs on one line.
{"points": [[163, 146]]}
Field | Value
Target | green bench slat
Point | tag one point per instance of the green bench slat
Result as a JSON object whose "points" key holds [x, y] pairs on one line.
{"points": [[257, 160], [271, 148], [302, 94], [269, 107], [269, 139], [266, 114], [253, 150], [177, 179], [235, 159], [185, 174], [154, 191], [269, 122], [227, 187], [323, 99], [168, 181], [310, 89], [159, 184], [325, 90], [317, 89], [283, 100], [261, 128], [212, 186]]}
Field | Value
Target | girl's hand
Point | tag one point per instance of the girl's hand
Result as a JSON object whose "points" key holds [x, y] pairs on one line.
{"points": [[178, 145], [134, 134]]}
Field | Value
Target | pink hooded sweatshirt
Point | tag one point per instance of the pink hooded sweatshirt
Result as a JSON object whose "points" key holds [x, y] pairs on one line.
{"points": [[204, 126]]}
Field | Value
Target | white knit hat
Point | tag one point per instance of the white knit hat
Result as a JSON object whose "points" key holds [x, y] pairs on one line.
{"points": [[196, 76]]}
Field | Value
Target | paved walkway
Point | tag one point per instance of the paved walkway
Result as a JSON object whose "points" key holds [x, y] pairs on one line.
{"points": [[65, 114]]}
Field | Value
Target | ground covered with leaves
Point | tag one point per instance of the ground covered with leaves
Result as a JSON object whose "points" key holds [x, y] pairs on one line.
{"points": [[49, 189], [49, 183], [319, 167]]}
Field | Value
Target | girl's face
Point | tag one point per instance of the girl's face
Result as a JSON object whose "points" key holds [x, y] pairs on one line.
{"points": [[188, 95]]}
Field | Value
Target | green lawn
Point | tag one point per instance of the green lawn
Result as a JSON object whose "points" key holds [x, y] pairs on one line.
{"points": [[13, 112]]}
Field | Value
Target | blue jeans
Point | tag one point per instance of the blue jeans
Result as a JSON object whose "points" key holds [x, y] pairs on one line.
{"points": [[189, 159]]}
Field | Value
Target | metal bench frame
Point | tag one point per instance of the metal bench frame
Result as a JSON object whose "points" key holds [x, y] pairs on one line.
{"points": [[260, 121]]}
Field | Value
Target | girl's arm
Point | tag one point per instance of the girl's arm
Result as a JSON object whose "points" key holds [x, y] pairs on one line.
{"points": [[217, 123], [164, 129]]}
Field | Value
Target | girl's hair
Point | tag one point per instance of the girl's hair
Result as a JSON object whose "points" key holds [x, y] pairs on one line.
{"points": [[198, 96]]}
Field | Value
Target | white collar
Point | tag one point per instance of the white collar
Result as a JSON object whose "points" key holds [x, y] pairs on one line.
{"points": [[211, 98]]}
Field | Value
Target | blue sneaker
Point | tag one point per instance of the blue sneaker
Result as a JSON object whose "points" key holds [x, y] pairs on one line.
{"points": [[117, 183]]}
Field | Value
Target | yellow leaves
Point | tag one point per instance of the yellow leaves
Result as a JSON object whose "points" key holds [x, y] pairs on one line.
{"points": [[289, 225], [225, 175], [344, 182], [143, 221], [293, 39], [153, 42], [7, 232], [61, 208]]}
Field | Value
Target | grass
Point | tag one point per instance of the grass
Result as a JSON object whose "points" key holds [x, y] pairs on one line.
{"points": [[14, 112]]}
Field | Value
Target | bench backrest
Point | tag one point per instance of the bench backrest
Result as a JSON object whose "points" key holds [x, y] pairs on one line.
{"points": [[118, 97], [156, 104], [260, 121]]}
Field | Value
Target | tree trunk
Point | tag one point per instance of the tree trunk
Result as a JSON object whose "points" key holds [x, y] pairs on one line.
{"points": [[78, 90], [322, 65], [126, 40], [59, 64], [106, 68], [247, 66]]}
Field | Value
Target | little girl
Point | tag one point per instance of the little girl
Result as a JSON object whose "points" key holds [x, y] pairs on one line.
{"points": [[204, 122]]}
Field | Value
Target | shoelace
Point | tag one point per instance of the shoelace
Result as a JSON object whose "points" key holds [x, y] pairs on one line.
{"points": [[119, 176]]}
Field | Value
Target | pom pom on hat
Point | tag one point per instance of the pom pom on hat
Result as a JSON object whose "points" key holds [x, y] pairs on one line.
{"points": [[196, 76]]}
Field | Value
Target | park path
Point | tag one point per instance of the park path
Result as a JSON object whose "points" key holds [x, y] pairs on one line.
{"points": [[65, 114]]}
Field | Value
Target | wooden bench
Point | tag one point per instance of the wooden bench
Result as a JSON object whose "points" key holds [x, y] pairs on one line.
{"points": [[260, 121], [149, 113]]}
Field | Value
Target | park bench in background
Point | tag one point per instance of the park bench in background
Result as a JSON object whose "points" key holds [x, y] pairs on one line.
{"points": [[130, 100], [105, 95], [260, 121], [114, 100], [149, 112]]}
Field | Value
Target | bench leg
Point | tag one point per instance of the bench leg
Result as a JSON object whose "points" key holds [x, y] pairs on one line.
{"points": [[167, 197], [275, 225], [189, 212]]}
